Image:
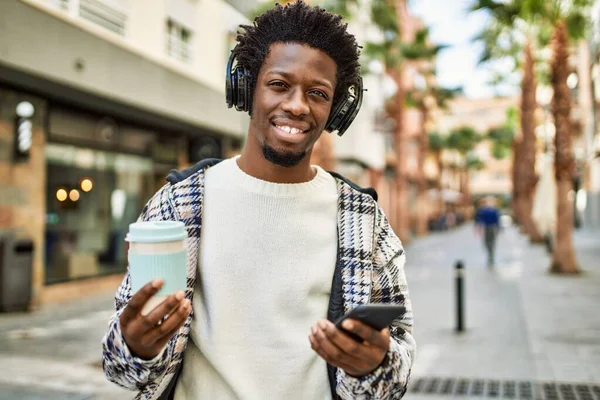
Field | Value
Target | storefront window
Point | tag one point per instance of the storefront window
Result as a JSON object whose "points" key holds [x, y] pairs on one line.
{"points": [[92, 197]]}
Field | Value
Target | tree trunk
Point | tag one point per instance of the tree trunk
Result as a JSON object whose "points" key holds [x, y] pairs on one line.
{"points": [[400, 143], [516, 187], [440, 167], [465, 186], [563, 254], [527, 177], [422, 216]]}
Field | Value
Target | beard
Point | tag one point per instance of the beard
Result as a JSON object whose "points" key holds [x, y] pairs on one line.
{"points": [[282, 157]]}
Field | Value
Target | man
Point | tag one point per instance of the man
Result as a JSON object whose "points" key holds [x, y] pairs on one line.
{"points": [[277, 248], [487, 220]]}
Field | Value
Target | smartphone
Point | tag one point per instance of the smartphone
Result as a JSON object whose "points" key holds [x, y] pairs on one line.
{"points": [[376, 315]]}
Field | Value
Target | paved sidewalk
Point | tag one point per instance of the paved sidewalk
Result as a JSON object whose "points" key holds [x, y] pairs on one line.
{"points": [[523, 324], [54, 353]]}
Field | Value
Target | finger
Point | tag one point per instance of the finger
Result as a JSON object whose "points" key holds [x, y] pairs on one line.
{"points": [[333, 353], [136, 303], [316, 346], [164, 308], [167, 329], [345, 342], [169, 335], [373, 336]]}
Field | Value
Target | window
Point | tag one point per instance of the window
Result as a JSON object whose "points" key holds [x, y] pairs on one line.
{"points": [[110, 14], [91, 198], [179, 41]]}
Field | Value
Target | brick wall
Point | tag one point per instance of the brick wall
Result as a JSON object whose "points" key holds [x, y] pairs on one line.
{"points": [[23, 184]]}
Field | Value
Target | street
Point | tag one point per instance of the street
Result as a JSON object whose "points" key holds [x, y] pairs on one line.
{"points": [[524, 328]]}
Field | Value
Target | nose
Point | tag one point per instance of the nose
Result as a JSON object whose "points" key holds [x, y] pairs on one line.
{"points": [[295, 103]]}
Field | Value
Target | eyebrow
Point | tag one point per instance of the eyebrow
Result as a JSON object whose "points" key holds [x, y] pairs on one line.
{"points": [[289, 76]]}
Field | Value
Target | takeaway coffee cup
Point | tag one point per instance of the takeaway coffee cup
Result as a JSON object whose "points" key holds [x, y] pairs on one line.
{"points": [[157, 250]]}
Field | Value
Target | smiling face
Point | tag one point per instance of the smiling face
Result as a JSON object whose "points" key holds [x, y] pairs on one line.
{"points": [[292, 100]]}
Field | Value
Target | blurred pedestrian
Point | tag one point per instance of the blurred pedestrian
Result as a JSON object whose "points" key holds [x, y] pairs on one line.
{"points": [[278, 248], [487, 223]]}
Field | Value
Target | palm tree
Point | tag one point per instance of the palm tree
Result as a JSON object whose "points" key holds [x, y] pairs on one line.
{"points": [[424, 100], [463, 139], [504, 143], [563, 254], [389, 16], [396, 50], [437, 144], [473, 163], [502, 139], [569, 23], [514, 32]]}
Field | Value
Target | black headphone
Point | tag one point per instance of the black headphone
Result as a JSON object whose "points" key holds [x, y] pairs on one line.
{"points": [[237, 81]]}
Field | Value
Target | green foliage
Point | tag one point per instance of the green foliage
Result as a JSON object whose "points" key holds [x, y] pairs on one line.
{"points": [[383, 15], [500, 152], [503, 12], [503, 135], [436, 142], [442, 96], [413, 99], [512, 118], [501, 138], [417, 51], [391, 51], [382, 51], [474, 163], [576, 25], [513, 23], [463, 139]]}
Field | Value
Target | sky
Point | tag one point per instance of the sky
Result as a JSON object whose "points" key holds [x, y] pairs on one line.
{"points": [[452, 25]]}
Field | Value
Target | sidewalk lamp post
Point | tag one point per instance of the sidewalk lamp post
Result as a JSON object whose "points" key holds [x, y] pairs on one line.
{"points": [[459, 269]]}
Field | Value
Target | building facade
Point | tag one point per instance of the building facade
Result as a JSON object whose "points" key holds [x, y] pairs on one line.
{"points": [[99, 100], [482, 115]]}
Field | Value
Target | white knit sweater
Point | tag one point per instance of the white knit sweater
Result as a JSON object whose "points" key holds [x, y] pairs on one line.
{"points": [[266, 264]]}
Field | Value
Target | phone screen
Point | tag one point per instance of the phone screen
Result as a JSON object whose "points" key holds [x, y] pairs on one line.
{"points": [[377, 316]]}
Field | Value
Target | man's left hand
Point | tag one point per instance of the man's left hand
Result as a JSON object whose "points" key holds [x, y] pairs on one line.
{"points": [[340, 350]]}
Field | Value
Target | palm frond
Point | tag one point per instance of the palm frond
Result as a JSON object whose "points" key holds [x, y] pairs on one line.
{"points": [[436, 142]]}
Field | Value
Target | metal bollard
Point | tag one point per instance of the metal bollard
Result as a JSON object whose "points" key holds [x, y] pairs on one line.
{"points": [[460, 293]]}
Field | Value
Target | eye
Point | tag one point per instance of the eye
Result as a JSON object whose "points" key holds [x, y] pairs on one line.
{"points": [[278, 84], [321, 94]]}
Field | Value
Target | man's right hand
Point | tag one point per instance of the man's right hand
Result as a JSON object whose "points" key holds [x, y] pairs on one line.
{"points": [[142, 333]]}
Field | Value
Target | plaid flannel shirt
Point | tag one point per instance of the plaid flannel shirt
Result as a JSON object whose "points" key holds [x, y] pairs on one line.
{"points": [[372, 270]]}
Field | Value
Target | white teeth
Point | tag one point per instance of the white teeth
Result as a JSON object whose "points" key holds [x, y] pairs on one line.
{"points": [[288, 129]]}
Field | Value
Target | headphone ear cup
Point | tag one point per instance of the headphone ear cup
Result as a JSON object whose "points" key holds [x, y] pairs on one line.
{"points": [[350, 115], [230, 83], [345, 113], [240, 104], [335, 117]]}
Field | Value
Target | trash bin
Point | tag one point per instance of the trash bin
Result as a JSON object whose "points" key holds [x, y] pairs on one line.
{"points": [[16, 264]]}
